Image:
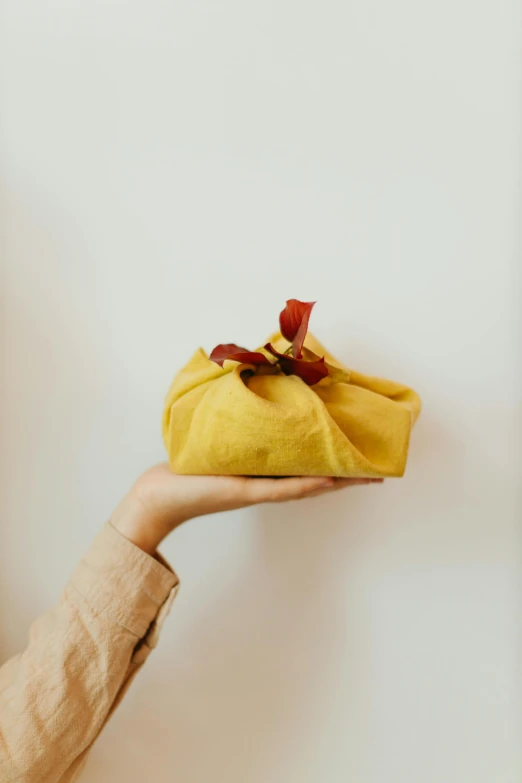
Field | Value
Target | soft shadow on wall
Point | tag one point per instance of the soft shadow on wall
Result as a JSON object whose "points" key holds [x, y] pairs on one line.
{"points": [[262, 667], [52, 380]]}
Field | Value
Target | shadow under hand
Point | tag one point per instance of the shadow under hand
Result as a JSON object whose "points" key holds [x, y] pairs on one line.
{"points": [[264, 670]]}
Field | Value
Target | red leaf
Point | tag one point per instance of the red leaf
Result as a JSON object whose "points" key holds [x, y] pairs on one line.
{"points": [[235, 353], [309, 372], [294, 324]]}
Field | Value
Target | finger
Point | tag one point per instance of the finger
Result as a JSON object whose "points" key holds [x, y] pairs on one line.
{"points": [[278, 490], [353, 482], [343, 484]]}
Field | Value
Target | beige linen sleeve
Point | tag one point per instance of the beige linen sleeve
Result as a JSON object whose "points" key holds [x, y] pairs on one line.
{"points": [[56, 696]]}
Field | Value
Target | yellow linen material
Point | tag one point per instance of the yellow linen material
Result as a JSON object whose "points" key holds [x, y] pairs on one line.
{"points": [[231, 421]]}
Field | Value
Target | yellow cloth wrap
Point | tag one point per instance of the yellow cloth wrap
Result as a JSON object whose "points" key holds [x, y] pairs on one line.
{"points": [[231, 421]]}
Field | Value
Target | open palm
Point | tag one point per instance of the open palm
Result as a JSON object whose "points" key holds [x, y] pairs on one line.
{"points": [[161, 500]]}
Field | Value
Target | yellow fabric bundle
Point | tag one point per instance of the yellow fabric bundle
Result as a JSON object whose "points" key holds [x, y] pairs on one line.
{"points": [[233, 420]]}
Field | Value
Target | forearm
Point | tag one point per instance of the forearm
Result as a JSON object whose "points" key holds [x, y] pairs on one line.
{"points": [[56, 696]]}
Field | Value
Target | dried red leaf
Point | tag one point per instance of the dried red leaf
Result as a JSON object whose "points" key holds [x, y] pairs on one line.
{"points": [[230, 351], [310, 372], [293, 321]]}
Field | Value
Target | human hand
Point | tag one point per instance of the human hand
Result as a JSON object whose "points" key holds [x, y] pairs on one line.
{"points": [[161, 500]]}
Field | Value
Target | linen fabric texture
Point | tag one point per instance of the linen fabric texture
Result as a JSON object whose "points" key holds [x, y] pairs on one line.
{"points": [[242, 420]]}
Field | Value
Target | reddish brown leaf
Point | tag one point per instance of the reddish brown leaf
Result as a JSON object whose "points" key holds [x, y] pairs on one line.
{"points": [[293, 321], [235, 353], [309, 372], [335, 373]]}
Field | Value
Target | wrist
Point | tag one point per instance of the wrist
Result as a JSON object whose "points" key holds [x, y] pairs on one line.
{"points": [[139, 527]]}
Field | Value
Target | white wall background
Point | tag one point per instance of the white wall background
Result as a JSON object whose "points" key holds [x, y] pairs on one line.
{"points": [[172, 172]]}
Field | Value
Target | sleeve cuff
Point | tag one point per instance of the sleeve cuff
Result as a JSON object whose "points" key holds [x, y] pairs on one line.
{"points": [[120, 580]]}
